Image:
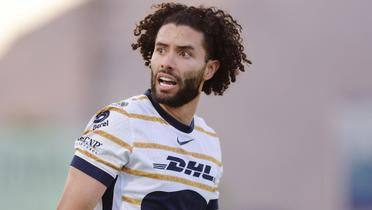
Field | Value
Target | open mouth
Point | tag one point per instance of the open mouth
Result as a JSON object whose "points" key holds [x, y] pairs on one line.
{"points": [[166, 81]]}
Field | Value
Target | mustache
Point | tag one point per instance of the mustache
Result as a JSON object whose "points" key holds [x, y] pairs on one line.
{"points": [[170, 72]]}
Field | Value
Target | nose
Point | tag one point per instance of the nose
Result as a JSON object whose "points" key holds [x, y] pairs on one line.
{"points": [[168, 62]]}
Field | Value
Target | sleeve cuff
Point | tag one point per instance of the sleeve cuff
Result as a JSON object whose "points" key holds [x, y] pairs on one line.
{"points": [[91, 170]]}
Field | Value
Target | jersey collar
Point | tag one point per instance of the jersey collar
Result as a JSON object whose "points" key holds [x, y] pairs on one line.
{"points": [[169, 118]]}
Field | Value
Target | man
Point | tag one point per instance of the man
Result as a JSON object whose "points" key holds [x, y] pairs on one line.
{"points": [[151, 151]]}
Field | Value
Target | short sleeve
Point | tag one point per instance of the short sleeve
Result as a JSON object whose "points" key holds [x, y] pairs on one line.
{"points": [[105, 146]]}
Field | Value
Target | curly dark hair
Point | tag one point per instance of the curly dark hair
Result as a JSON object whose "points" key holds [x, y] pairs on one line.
{"points": [[222, 39]]}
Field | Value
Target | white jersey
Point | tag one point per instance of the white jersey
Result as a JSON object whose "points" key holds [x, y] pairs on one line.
{"points": [[148, 160]]}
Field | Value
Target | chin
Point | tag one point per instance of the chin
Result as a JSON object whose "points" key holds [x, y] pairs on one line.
{"points": [[164, 91], [164, 94]]}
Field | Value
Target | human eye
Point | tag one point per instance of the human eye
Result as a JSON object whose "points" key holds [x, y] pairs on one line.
{"points": [[185, 54], [160, 50]]}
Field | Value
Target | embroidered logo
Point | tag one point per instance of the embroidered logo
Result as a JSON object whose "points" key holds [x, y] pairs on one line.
{"points": [[183, 142]]}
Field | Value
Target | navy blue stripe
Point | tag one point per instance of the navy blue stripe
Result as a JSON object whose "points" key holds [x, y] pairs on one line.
{"points": [[92, 171], [178, 200], [167, 117], [213, 204], [107, 198]]}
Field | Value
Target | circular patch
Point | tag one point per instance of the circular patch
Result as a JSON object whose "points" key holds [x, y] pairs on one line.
{"points": [[102, 116]]}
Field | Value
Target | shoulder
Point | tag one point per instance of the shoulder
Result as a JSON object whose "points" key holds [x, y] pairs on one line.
{"points": [[117, 115], [209, 136], [203, 127], [125, 106], [134, 104]]}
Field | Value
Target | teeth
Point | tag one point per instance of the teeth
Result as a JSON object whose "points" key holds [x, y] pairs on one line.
{"points": [[165, 84], [166, 79]]}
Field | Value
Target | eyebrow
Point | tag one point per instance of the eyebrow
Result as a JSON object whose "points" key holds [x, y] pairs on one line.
{"points": [[182, 47]]}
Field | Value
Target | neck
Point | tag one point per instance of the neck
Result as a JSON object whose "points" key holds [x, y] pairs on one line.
{"points": [[184, 113]]}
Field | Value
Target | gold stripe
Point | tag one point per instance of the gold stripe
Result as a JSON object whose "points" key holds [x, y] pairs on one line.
{"points": [[205, 132], [131, 200], [113, 166], [151, 118], [138, 116], [103, 109], [111, 138], [143, 97], [170, 178], [176, 150]]}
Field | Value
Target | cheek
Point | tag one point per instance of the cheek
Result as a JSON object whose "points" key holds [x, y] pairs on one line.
{"points": [[190, 65], [194, 67], [155, 58], [154, 66]]}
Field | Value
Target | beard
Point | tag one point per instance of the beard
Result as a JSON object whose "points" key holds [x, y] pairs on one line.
{"points": [[188, 88]]}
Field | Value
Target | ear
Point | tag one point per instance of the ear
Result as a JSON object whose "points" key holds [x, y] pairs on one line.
{"points": [[211, 69]]}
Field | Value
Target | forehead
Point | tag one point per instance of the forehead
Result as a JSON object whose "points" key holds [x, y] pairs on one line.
{"points": [[180, 35]]}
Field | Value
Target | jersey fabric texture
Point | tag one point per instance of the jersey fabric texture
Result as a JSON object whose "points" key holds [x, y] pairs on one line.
{"points": [[148, 160]]}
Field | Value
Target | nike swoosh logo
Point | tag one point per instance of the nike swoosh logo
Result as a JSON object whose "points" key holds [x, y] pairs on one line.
{"points": [[183, 142]]}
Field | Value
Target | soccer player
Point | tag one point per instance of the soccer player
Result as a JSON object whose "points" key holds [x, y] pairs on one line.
{"points": [[151, 152]]}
